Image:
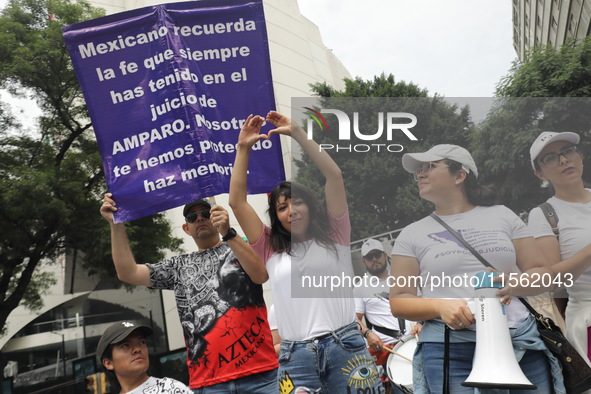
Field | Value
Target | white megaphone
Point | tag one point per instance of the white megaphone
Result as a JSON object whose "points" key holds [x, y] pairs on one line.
{"points": [[494, 365]]}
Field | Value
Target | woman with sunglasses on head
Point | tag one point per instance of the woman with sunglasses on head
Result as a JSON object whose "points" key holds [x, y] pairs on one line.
{"points": [[448, 178], [322, 349], [555, 159]]}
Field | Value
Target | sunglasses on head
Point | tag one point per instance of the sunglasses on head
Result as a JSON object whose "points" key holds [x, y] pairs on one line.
{"points": [[191, 217], [374, 254]]}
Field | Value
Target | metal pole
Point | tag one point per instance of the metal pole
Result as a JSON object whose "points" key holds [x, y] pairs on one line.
{"points": [[64, 354]]}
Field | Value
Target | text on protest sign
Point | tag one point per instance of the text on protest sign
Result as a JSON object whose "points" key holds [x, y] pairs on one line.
{"points": [[168, 88]]}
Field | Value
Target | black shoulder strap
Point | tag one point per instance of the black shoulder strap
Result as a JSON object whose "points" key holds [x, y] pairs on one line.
{"points": [[463, 241], [551, 216], [482, 259]]}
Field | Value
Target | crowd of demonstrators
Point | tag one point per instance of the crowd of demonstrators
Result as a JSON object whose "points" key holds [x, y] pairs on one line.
{"points": [[447, 176], [555, 159], [219, 298], [321, 346], [122, 351], [320, 339]]}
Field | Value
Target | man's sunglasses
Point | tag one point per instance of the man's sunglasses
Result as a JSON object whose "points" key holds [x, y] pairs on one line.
{"points": [[191, 217], [374, 254]]}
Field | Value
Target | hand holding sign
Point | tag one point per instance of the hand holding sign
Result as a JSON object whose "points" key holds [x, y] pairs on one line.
{"points": [[220, 219], [108, 208]]}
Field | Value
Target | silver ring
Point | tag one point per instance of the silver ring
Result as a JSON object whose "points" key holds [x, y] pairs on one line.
{"points": [[460, 324]]}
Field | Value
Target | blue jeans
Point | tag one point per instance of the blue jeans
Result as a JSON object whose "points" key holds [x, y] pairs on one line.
{"points": [[534, 365], [337, 362], [258, 383]]}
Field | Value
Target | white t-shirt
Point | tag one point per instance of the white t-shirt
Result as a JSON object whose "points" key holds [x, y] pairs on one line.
{"points": [[312, 310], [272, 317], [374, 304], [446, 266], [161, 386], [574, 224]]}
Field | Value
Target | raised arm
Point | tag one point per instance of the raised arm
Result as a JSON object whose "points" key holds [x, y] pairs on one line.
{"points": [[250, 262], [334, 188], [245, 214], [125, 265]]}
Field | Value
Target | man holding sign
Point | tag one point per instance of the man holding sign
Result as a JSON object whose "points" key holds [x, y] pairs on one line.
{"points": [[219, 300]]}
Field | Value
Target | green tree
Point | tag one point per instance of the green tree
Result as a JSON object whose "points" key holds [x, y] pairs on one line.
{"points": [[51, 180], [546, 92], [382, 196], [548, 71]]}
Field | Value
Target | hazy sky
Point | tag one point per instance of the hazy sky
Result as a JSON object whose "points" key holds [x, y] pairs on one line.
{"points": [[457, 48]]}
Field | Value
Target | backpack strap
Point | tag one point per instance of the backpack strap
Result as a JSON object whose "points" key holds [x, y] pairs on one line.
{"points": [[551, 216]]}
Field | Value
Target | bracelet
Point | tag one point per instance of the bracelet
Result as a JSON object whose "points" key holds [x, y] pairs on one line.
{"points": [[366, 333], [359, 326]]}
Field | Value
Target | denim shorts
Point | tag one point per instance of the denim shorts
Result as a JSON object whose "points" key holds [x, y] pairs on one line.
{"points": [[337, 362]]}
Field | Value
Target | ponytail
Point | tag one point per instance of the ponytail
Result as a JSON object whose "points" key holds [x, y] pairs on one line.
{"points": [[477, 194]]}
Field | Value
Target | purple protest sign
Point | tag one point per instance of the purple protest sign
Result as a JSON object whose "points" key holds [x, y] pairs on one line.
{"points": [[168, 88]]}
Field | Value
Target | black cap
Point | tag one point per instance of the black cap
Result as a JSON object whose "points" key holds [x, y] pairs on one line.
{"points": [[118, 332], [190, 205]]}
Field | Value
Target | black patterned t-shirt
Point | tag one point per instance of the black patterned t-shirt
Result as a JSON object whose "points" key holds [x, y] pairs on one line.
{"points": [[222, 313]]}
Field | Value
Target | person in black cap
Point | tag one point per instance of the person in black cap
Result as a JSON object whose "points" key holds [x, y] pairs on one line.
{"points": [[123, 353], [219, 300]]}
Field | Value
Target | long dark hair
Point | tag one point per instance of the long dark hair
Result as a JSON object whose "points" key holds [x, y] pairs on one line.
{"points": [[319, 226], [477, 194]]}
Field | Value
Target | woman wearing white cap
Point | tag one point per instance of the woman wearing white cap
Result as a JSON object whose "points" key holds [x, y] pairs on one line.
{"points": [[555, 159], [447, 177]]}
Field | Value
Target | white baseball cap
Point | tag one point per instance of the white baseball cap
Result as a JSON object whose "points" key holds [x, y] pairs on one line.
{"points": [[370, 245], [548, 137], [412, 161]]}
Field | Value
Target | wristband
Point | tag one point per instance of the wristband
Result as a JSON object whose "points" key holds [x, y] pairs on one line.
{"points": [[231, 234], [367, 333]]}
